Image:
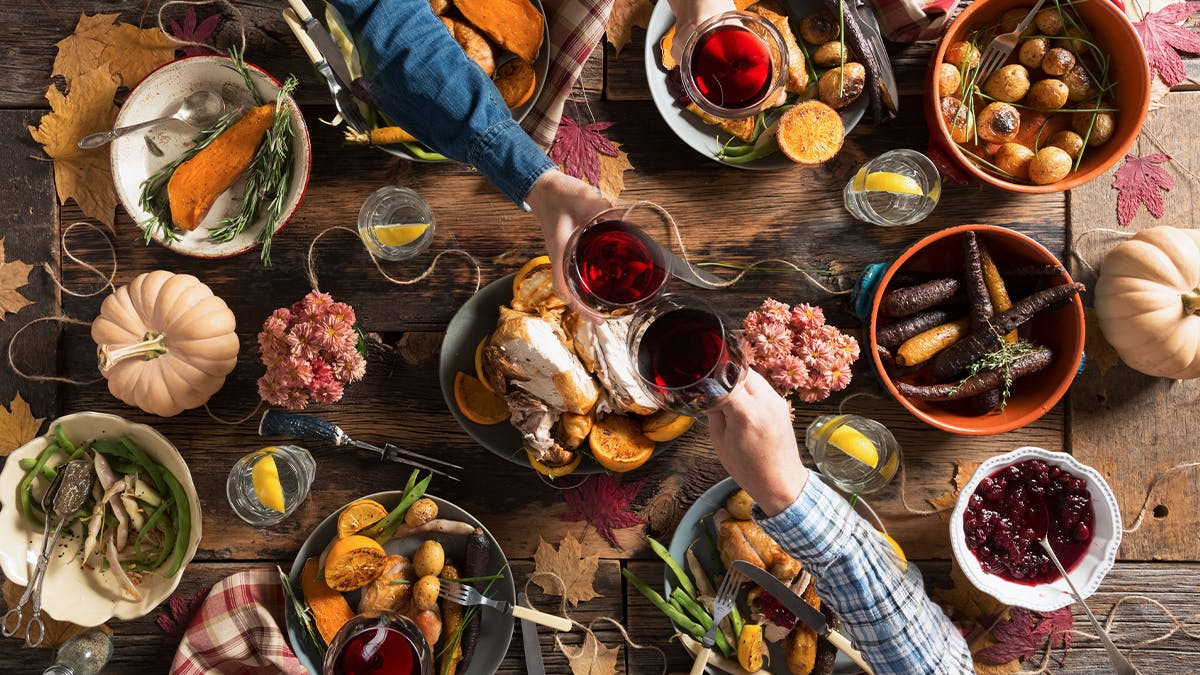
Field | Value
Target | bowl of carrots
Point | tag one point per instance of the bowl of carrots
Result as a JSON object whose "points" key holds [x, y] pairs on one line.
{"points": [[977, 330]]}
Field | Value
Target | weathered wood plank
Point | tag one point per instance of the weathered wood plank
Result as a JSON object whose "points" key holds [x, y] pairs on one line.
{"points": [[1130, 426]]}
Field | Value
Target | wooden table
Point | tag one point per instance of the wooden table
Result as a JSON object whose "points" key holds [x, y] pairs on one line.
{"points": [[1126, 425]]}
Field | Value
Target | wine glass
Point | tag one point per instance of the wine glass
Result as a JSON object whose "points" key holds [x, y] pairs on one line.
{"points": [[612, 266], [379, 642], [685, 353], [734, 65]]}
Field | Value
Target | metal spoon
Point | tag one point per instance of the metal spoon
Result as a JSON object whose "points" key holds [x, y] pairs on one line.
{"points": [[1121, 664], [200, 109]]}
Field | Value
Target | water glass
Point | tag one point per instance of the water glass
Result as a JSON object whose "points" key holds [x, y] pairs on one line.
{"points": [[296, 469], [858, 455], [899, 187], [612, 266], [395, 223]]}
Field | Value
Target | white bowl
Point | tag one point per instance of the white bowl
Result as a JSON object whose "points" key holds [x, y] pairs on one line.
{"points": [[1087, 574], [69, 592]]}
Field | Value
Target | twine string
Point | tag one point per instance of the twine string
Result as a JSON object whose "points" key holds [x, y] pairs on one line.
{"points": [[237, 16], [1141, 516], [59, 318], [107, 279], [232, 423], [1084, 235], [310, 265]]}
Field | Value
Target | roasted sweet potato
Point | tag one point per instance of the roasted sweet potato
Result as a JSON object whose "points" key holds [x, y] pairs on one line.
{"points": [[742, 128], [516, 81], [515, 25], [665, 45], [797, 70], [329, 609], [810, 133]]}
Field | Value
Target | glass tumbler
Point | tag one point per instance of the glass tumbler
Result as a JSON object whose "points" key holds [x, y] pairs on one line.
{"points": [[395, 223], [267, 485], [858, 455], [899, 187]]}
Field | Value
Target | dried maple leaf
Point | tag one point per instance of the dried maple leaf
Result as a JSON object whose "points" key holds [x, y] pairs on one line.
{"points": [[967, 602], [612, 172], [13, 275], [989, 668], [577, 149], [1164, 40], [18, 426], [592, 657], [1099, 352], [57, 632], [1139, 181], [603, 502], [194, 31], [178, 614], [625, 15], [569, 564], [127, 52], [962, 475], [1025, 632], [82, 175]]}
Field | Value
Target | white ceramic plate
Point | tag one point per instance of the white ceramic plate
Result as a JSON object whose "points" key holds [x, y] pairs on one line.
{"points": [[1087, 573], [707, 139], [157, 96], [70, 593]]}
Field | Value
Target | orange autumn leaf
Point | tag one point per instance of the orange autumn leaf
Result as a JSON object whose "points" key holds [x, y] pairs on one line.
{"points": [[962, 475], [18, 426], [612, 172], [123, 49], [625, 15], [568, 563], [592, 657], [57, 632], [13, 275]]}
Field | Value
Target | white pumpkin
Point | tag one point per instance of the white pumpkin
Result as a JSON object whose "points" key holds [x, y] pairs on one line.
{"points": [[165, 342], [1148, 302]]}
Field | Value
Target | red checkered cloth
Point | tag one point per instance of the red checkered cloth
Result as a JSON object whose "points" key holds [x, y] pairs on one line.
{"points": [[576, 27], [914, 20], [238, 630]]}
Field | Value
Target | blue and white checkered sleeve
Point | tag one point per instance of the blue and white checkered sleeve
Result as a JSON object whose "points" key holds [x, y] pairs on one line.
{"points": [[884, 607]]}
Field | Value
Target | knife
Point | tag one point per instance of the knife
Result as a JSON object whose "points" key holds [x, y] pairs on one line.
{"points": [[688, 273], [276, 423], [329, 62], [529, 638], [797, 606]]}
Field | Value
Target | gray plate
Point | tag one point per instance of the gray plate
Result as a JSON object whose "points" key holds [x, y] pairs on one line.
{"points": [[689, 531], [495, 630], [475, 319]]}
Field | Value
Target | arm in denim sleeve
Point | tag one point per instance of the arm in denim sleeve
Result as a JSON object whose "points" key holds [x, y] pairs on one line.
{"points": [[422, 80], [886, 611]]}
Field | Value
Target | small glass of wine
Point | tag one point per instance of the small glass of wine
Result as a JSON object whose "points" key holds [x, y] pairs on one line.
{"points": [[612, 266], [685, 354], [379, 643], [734, 65]]}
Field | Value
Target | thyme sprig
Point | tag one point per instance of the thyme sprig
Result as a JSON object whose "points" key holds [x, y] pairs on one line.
{"points": [[1001, 359]]}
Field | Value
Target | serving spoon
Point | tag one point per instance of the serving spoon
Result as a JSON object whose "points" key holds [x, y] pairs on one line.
{"points": [[1121, 665], [200, 109]]}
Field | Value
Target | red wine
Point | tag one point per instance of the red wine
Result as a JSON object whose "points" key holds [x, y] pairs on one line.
{"points": [[731, 67], [684, 357], [616, 264], [378, 650]]}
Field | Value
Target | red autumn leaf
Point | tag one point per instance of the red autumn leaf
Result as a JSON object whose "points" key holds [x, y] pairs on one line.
{"points": [[178, 614], [194, 31], [603, 502], [1025, 633], [1164, 39], [1138, 182], [577, 149]]}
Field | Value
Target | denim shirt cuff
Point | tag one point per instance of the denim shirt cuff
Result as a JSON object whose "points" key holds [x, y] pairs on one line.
{"points": [[509, 158]]}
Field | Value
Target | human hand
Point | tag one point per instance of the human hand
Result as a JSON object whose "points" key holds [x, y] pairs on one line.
{"points": [[562, 204], [753, 436], [688, 15]]}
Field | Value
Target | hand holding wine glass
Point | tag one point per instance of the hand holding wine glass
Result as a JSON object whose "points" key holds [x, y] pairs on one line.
{"points": [[562, 204], [692, 13]]}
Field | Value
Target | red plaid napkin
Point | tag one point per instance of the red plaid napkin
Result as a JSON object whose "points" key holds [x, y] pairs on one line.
{"points": [[238, 630], [576, 27], [913, 20]]}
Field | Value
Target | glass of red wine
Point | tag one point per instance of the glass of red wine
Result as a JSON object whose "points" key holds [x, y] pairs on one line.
{"points": [[612, 266], [734, 65], [685, 353], [379, 643]]}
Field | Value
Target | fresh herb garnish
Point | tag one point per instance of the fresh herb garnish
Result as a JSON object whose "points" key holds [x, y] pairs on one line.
{"points": [[1001, 359]]}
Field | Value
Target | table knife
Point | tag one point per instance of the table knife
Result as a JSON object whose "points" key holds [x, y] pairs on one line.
{"points": [[690, 274], [329, 63], [322, 41], [529, 638], [803, 611]]}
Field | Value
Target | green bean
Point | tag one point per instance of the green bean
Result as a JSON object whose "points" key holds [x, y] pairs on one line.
{"points": [[63, 442], [151, 521], [700, 615], [383, 530], [25, 487], [673, 613], [183, 522], [420, 152], [47, 472], [685, 582], [735, 621]]}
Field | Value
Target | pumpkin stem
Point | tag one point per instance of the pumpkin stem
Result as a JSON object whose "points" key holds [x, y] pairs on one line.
{"points": [[152, 346], [1191, 301]]}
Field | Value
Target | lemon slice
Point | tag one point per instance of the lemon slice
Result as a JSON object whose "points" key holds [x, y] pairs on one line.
{"points": [[852, 442], [267, 487], [896, 547], [400, 234], [886, 181]]}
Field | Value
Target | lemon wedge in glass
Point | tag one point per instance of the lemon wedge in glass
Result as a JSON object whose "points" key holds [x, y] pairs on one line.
{"points": [[852, 442], [267, 488], [886, 181], [400, 234]]}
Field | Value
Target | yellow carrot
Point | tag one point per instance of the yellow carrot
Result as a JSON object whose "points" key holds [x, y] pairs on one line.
{"points": [[380, 136], [923, 346], [997, 291]]}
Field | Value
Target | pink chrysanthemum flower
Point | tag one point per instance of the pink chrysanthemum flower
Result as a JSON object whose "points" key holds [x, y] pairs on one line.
{"points": [[847, 345], [270, 391], [304, 340], [837, 378], [342, 312], [789, 373], [817, 354], [350, 368], [330, 392], [772, 341], [776, 310], [804, 316], [336, 335], [812, 393]]}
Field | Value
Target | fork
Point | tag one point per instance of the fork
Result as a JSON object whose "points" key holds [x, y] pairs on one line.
{"points": [[1002, 46], [722, 606], [461, 594]]}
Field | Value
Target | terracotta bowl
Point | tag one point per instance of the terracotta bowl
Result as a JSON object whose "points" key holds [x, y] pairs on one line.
{"points": [[1113, 32], [1062, 330]]}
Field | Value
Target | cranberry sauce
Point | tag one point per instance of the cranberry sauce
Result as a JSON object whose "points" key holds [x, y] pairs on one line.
{"points": [[1003, 521]]}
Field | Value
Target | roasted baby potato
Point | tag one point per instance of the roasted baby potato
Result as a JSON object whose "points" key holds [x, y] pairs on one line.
{"points": [[1048, 94], [1069, 141], [1049, 165], [1013, 159], [1079, 84], [574, 429], [1098, 132], [949, 79], [740, 505], [963, 55], [425, 592], [839, 87], [1049, 22], [958, 119], [999, 123], [831, 54], [429, 559], [1009, 84], [819, 27], [422, 511], [1058, 62], [1033, 52]]}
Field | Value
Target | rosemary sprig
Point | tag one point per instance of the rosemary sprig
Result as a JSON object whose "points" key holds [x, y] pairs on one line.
{"points": [[303, 615], [1000, 359]]}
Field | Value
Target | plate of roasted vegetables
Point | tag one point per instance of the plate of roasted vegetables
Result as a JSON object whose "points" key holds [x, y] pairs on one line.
{"points": [[760, 635], [391, 551], [977, 329], [837, 71], [124, 551], [220, 191], [539, 385]]}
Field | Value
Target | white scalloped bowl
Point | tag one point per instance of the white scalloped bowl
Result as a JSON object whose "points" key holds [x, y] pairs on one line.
{"points": [[70, 593], [1087, 573]]}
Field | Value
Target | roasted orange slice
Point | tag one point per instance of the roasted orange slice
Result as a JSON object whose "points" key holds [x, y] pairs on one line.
{"points": [[665, 425], [533, 287], [358, 516], [810, 133], [479, 363], [353, 562], [618, 443], [476, 402], [553, 471]]}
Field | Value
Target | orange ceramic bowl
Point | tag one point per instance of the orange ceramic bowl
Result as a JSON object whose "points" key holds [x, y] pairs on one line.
{"points": [[1113, 33], [1062, 330]]}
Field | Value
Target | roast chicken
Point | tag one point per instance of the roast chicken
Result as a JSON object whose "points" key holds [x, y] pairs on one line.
{"points": [[745, 540], [602, 349]]}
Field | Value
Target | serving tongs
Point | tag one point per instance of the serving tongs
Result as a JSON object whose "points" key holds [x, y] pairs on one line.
{"points": [[276, 423]]}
